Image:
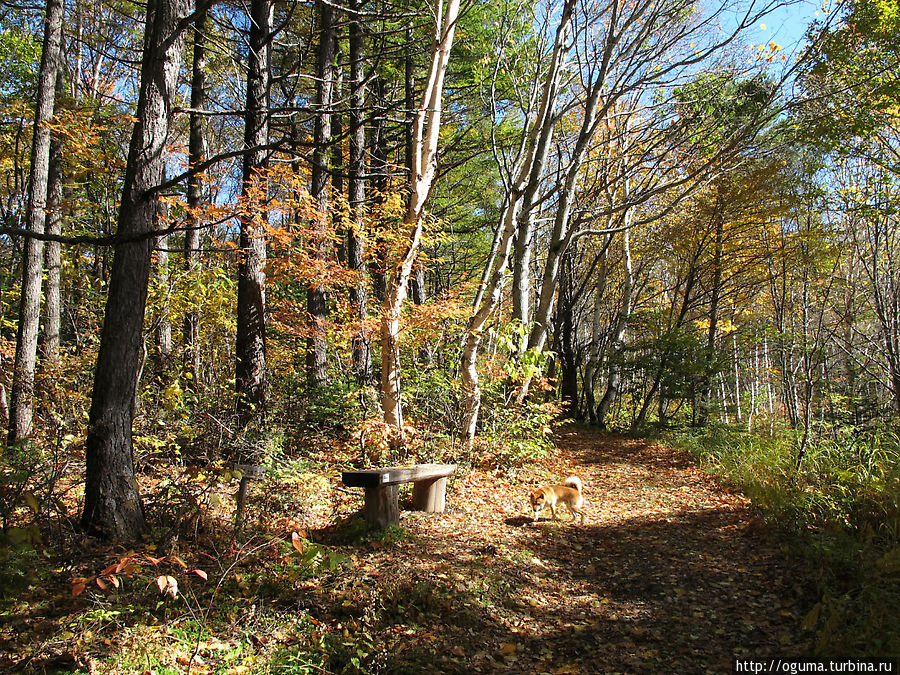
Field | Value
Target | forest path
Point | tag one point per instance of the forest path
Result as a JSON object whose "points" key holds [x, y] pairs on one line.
{"points": [[669, 575]]}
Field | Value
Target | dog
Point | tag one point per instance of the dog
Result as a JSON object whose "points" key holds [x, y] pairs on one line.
{"points": [[569, 493]]}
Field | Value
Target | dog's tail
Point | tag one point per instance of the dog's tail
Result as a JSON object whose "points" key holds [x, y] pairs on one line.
{"points": [[573, 481]]}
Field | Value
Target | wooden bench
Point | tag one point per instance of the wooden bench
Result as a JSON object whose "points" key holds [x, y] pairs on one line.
{"points": [[381, 506]]}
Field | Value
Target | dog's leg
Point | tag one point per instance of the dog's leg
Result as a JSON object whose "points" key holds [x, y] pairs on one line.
{"points": [[553, 511], [580, 513]]}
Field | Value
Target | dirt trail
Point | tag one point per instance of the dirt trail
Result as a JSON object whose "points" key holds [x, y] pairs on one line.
{"points": [[669, 575]]}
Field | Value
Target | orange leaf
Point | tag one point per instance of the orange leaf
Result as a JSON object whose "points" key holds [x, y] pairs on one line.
{"points": [[297, 542], [78, 589], [101, 583], [200, 573]]}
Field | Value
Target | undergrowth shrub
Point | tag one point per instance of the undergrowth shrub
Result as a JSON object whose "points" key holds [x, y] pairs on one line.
{"points": [[839, 505]]}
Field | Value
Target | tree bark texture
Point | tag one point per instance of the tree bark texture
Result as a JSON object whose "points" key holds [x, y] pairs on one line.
{"points": [[250, 340], [21, 403], [356, 195], [316, 344], [427, 129], [196, 154], [112, 504], [53, 256], [164, 326]]}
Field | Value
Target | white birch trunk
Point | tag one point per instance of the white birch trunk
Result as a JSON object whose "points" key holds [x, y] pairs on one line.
{"points": [[424, 162]]}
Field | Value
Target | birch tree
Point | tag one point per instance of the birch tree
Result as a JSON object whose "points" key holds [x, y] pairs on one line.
{"points": [[519, 199], [427, 128]]}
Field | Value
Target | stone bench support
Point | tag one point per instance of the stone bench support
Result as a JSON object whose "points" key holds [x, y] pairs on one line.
{"points": [[381, 486]]}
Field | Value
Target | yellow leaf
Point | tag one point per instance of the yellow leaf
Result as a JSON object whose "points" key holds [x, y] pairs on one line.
{"points": [[32, 501], [570, 669]]}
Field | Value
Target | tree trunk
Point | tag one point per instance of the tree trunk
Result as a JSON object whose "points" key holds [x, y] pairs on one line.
{"points": [[112, 504], [379, 183], [316, 345], [22, 392], [715, 292], [250, 344], [356, 195], [561, 234], [196, 154], [53, 255], [427, 130], [164, 326], [593, 363], [618, 341], [529, 173], [568, 358]]}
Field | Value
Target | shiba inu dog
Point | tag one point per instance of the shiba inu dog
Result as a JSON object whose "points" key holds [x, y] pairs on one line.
{"points": [[569, 493]]}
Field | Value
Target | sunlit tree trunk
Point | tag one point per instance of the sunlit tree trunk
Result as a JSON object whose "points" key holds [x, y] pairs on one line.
{"points": [[112, 504], [316, 345], [561, 231], [427, 128], [525, 181], [53, 256], [196, 155], [21, 401], [250, 345], [356, 194], [164, 325]]}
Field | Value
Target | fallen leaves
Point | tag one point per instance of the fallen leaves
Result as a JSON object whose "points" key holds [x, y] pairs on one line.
{"points": [[665, 576]]}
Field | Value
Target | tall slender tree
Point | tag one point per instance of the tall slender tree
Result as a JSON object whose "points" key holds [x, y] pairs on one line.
{"points": [[22, 391], [250, 346], [196, 155], [356, 192], [315, 295], [112, 504], [427, 130]]}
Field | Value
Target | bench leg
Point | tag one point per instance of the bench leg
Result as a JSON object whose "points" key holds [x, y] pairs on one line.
{"points": [[430, 495], [381, 506]]}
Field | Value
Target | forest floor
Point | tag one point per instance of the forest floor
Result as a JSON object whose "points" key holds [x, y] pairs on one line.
{"points": [[670, 574]]}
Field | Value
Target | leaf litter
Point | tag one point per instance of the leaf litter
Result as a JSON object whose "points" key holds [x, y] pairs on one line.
{"points": [[670, 573]]}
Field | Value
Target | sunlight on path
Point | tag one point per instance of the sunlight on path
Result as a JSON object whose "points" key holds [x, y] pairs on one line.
{"points": [[669, 574]]}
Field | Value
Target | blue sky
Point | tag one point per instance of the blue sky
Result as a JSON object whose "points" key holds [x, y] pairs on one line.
{"points": [[786, 25]]}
